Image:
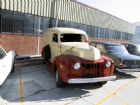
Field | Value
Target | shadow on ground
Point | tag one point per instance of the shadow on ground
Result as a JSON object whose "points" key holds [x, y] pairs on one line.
{"points": [[39, 85], [120, 75]]}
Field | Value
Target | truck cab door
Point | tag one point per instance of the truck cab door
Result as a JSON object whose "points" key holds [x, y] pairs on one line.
{"points": [[54, 46]]}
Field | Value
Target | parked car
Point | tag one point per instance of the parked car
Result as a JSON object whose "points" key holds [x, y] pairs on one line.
{"points": [[6, 64], [133, 48], [124, 61], [73, 59]]}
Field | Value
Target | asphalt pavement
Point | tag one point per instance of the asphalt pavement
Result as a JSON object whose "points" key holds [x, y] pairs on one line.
{"points": [[33, 83]]}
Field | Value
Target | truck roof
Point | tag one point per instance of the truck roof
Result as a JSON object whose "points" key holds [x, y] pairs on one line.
{"points": [[67, 30]]}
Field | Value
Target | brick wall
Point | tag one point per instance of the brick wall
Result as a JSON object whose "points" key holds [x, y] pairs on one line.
{"points": [[28, 44], [24, 45]]}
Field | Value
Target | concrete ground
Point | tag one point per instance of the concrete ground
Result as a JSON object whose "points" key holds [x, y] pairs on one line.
{"points": [[33, 84]]}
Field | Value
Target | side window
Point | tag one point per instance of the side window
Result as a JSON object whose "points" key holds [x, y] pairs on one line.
{"points": [[126, 45], [55, 38], [2, 53], [101, 48], [130, 48]]}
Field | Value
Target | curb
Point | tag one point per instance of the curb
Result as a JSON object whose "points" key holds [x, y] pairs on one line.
{"points": [[25, 59]]}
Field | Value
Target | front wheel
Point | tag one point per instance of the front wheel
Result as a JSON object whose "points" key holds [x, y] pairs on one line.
{"points": [[59, 82], [46, 54], [102, 83]]}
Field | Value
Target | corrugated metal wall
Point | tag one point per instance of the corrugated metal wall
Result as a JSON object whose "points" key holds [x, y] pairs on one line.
{"points": [[69, 11]]}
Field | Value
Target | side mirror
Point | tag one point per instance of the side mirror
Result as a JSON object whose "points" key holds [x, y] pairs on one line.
{"points": [[1, 56]]}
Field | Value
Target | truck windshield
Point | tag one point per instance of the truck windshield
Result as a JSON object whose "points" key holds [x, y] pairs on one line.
{"points": [[72, 38]]}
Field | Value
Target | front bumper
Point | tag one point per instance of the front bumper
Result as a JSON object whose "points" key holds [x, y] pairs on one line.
{"points": [[128, 70], [91, 80]]}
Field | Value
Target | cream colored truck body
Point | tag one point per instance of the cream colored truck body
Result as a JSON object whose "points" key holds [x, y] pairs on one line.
{"points": [[80, 49]]}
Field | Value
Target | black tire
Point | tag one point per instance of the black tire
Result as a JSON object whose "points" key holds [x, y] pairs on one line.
{"points": [[43, 59], [102, 83], [59, 82], [54, 67], [13, 69], [46, 54]]}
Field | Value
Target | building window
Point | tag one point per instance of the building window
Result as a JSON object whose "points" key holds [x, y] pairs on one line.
{"points": [[67, 24], [123, 36], [60, 23], [52, 22], [97, 32], [0, 20], [37, 25], [28, 24], [102, 33], [21, 23], [81, 27], [137, 31], [78, 25], [45, 23], [107, 33], [89, 30], [18, 22], [92, 32], [71, 24], [7, 21]]}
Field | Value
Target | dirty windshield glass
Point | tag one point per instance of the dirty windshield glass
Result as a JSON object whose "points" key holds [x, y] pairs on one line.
{"points": [[116, 48], [72, 38], [2, 53]]}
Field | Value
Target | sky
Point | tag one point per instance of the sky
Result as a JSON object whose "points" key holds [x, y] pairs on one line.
{"points": [[128, 10]]}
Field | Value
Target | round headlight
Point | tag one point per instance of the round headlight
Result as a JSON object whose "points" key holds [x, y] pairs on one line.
{"points": [[77, 66], [108, 64]]}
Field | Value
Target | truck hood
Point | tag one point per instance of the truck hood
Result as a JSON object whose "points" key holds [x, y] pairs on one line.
{"points": [[80, 49]]}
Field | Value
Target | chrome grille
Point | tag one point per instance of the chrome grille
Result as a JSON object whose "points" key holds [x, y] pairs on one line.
{"points": [[90, 66], [92, 70]]}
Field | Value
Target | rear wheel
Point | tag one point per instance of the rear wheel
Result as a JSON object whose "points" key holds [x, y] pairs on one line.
{"points": [[46, 54], [59, 82], [43, 60]]}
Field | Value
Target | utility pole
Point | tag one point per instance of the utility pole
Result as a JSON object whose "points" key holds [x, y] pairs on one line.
{"points": [[38, 38]]}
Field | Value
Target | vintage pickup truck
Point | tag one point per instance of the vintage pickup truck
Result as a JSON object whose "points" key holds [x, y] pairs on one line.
{"points": [[73, 59]]}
